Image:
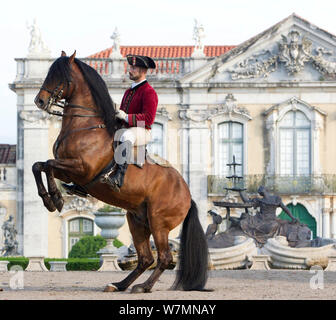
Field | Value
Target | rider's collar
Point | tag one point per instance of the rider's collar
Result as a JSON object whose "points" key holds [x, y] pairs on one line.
{"points": [[136, 84]]}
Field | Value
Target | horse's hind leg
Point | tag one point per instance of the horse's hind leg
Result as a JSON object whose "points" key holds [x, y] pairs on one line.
{"points": [[140, 233], [37, 168], [163, 261]]}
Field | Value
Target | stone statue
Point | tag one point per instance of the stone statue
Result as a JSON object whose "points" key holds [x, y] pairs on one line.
{"points": [[212, 228], [10, 243], [264, 224], [198, 36], [36, 45]]}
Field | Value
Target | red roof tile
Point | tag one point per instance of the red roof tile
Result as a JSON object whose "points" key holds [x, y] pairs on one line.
{"points": [[164, 51]]}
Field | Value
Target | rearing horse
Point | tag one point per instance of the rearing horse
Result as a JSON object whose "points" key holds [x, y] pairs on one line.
{"points": [[157, 199]]}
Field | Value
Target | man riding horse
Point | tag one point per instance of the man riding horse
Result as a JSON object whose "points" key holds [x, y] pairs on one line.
{"points": [[137, 112]]}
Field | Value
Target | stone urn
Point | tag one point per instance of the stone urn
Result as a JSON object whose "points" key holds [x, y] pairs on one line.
{"points": [[109, 219]]}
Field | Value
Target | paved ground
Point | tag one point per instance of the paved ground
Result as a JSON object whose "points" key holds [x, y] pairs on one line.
{"points": [[227, 285]]}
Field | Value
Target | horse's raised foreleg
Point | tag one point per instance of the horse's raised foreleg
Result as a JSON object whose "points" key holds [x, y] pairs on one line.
{"points": [[140, 233], [164, 259], [55, 168], [37, 168], [55, 194]]}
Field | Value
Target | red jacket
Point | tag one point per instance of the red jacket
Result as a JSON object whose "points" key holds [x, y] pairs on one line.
{"points": [[140, 103]]}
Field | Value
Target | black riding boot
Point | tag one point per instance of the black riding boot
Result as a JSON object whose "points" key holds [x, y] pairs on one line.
{"points": [[116, 180]]}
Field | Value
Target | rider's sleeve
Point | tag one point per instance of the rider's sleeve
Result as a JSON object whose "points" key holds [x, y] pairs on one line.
{"points": [[149, 102]]}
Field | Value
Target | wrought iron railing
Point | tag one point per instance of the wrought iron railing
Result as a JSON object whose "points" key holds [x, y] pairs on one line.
{"points": [[280, 184]]}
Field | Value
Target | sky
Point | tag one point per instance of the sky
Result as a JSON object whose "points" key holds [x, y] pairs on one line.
{"points": [[86, 26]]}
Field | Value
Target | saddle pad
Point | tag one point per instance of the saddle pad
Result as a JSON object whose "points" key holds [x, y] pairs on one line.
{"points": [[156, 159]]}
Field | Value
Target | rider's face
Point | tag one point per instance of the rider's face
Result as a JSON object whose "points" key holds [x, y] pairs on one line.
{"points": [[136, 73]]}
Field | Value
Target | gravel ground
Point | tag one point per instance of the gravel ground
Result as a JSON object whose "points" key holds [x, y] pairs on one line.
{"points": [[227, 285]]}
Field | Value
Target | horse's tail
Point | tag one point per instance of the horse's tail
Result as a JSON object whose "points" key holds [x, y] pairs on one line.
{"points": [[193, 257]]}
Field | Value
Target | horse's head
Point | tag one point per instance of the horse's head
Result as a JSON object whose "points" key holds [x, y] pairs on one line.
{"points": [[57, 84]]}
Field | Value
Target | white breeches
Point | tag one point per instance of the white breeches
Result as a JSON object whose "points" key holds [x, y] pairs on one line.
{"points": [[138, 136]]}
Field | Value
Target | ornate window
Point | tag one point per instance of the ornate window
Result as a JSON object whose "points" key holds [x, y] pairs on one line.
{"points": [[230, 143], [229, 136], [293, 132], [78, 228], [294, 144], [156, 146]]}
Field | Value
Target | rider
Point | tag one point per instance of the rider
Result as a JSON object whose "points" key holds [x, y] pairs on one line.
{"points": [[137, 111]]}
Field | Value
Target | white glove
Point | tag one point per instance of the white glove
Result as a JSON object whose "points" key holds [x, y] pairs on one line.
{"points": [[121, 115]]}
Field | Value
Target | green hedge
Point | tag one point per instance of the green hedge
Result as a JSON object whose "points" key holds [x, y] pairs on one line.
{"points": [[74, 264], [88, 246]]}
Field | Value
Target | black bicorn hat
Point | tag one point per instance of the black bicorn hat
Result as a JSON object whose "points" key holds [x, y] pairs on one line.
{"points": [[141, 61]]}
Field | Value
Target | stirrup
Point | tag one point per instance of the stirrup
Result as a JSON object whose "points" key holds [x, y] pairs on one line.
{"points": [[75, 189]]}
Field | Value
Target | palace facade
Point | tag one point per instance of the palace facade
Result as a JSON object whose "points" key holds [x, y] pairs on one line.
{"points": [[270, 102]]}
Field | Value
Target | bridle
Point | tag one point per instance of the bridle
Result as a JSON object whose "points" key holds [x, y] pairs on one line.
{"points": [[55, 100]]}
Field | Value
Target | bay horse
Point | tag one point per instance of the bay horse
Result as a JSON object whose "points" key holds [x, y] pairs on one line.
{"points": [[156, 199]]}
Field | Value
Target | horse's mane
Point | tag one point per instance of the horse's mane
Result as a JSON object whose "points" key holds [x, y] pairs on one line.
{"points": [[61, 71]]}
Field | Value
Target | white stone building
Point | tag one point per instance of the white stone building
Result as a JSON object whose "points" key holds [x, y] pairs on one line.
{"points": [[270, 101]]}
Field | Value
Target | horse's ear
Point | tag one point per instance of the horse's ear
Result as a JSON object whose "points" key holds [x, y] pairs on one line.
{"points": [[63, 54], [72, 58]]}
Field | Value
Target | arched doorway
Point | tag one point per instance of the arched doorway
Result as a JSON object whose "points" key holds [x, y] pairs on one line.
{"points": [[301, 213]]}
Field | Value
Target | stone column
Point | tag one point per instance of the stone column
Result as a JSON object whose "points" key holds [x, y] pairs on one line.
{"points": [[35, 215], [326, 223], [333, 224], [195, 153]]}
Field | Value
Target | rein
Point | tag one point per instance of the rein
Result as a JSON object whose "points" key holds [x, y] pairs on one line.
{"points": [[53, 100]]}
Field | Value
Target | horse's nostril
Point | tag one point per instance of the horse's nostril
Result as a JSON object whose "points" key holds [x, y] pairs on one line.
{"points": [[39, 102]]}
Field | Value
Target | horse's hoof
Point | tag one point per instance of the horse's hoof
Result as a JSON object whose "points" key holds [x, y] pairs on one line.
{"points": [[139, 289], [111, 288], [58, 202], [49, 204]]}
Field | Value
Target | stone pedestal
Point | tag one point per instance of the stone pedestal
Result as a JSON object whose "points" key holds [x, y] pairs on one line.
{"points": [[260, 262], [58, 266], [332, 264], [110, 262], [3, 266], [36, 264]]}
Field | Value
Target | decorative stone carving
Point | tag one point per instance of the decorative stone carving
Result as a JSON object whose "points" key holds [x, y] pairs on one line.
{"points": [[194, 115], [79, 204], [230, 107], [164, 113], [37, 48], [325, 67], [294, 52], [254, 67]]}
